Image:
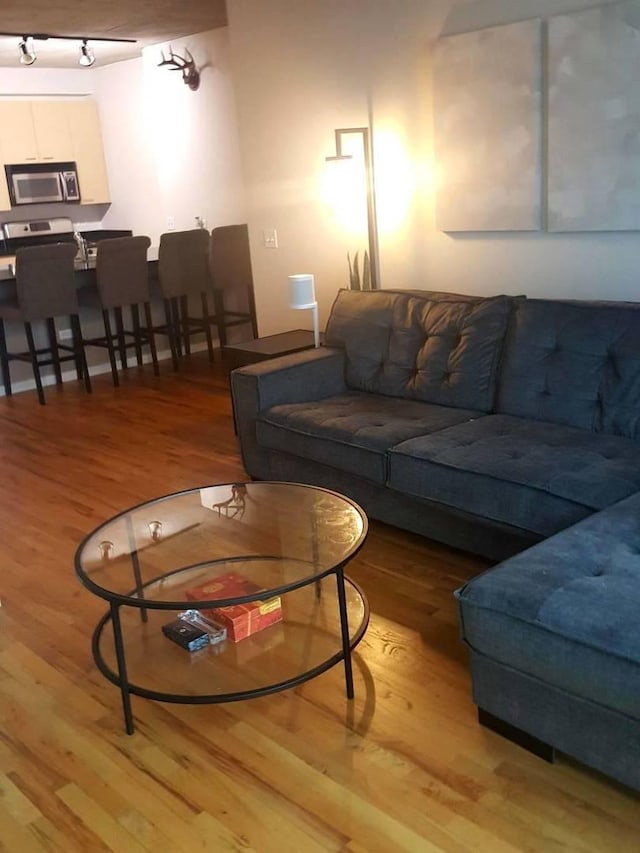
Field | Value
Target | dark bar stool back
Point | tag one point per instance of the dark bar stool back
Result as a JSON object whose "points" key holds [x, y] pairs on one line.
{"points": [[183, 271], [122, 279], [45, 290], [232, 278]]}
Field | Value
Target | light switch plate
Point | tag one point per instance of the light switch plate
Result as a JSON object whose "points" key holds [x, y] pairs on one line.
{"points": [[270, 237]]}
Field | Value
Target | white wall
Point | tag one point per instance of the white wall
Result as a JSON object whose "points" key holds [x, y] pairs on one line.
{"points": [[171, 152], [32, 81], [303, 69]]}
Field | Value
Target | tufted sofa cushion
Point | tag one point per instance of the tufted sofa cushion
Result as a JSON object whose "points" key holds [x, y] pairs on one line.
{"points": [[353, 431], [574, 363], [435, 347], [566, 610], [538, 476]]}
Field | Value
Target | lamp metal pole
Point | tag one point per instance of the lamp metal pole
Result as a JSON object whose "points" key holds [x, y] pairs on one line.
{"points": [[372, 223]]}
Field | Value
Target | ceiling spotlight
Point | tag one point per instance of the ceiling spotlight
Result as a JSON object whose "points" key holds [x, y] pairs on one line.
{"points": [[26, 51], [87, 57]]}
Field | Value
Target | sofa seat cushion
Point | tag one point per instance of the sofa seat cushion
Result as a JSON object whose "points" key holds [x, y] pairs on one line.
{"points": [[352, 431], [566, 611], [537, 476]]}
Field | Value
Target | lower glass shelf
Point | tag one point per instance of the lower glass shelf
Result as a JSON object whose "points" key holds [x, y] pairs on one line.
{"points": [[306, 643]]}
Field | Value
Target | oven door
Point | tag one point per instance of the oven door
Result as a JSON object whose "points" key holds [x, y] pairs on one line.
{"points": [[36, 187]]}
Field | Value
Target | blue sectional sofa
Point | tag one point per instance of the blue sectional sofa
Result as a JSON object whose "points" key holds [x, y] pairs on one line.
{"points": [[509, 427]]}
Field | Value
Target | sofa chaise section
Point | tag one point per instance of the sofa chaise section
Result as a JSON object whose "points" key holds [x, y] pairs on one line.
{"points": [[554, 638]]}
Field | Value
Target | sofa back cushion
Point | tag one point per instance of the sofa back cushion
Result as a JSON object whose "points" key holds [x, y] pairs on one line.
{"points": [[441, 348], [575, 363]]}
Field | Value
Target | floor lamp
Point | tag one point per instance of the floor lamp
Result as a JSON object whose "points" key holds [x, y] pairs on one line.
{"points": [[372, 226], [302, 294]]}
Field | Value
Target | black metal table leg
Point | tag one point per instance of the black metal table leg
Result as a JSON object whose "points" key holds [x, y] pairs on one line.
{"points": [[122, 668], [135, 562], [344, 628]]}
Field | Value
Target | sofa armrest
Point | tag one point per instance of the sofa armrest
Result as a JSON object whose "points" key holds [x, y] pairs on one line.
{"points": [[296, 378]]}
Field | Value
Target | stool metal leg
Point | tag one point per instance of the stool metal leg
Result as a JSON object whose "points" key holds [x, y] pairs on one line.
{"points": [[137, 334], [168, 316], [78, 349], [111, 349], [55, 353], [185, 326], [122, 345], [177, 330], [75, 351], [4, 361], [207, 320], [151, 338], [34, 362], [218, 306]]}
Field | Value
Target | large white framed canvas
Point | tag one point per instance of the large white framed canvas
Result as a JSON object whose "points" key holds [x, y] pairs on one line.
{"points": [[487, 94], [594, 120]]}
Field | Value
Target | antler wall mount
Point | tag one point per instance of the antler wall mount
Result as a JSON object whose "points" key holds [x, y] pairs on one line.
{"points": [[186, 64]]}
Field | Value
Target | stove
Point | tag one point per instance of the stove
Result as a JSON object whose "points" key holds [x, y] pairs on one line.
{"points": [[38, 232]]}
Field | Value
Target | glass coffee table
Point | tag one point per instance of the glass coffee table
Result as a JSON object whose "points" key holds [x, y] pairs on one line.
{"points": [[288, 540]]}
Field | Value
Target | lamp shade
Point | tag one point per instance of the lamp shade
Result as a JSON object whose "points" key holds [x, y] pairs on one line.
{"points": [[302, 292]]}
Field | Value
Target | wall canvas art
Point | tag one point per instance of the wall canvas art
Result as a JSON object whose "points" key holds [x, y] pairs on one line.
{"points": [[594, 120], [487, 95]]}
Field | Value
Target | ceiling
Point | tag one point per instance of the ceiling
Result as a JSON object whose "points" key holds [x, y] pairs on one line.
{"points": [[147, 21]]}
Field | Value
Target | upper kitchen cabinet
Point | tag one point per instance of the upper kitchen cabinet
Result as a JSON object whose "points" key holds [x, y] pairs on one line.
{"points": [[88, 151], [52, 131], [34, 132], [17, 133], [5, 202]]}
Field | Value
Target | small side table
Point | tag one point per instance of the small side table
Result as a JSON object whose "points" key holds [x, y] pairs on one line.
{"points": [[261, 349]]}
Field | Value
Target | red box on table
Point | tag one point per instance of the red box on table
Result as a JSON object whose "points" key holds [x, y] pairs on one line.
{"points": [[240, 620]]}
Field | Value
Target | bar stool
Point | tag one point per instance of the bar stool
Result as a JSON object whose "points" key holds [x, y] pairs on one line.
{"points": [[45, 289], [232, 278], [183, 272], [122, 280]]}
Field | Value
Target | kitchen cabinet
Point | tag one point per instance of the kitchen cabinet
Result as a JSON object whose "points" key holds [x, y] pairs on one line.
{"points": [[17, 134], [5, 202], [34, 132], [51, 130], [87, 151]]}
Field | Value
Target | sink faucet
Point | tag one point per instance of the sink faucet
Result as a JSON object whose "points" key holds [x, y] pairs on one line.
{"points": [[82, 247]]}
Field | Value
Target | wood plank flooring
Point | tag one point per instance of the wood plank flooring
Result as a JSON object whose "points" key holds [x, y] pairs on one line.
{"points": [[405, 767]]}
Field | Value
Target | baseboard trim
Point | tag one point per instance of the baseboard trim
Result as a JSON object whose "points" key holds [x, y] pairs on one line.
{"points": [[94, 370]]}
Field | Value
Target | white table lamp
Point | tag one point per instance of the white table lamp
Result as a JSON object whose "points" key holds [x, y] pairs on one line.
{"points": [[302, 294]]}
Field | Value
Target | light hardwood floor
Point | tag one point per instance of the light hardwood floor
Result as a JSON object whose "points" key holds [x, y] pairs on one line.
{"points": [[406, 768]]}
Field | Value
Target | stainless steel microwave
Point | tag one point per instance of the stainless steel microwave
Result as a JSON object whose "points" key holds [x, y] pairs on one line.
{"points": [[41, 183]]}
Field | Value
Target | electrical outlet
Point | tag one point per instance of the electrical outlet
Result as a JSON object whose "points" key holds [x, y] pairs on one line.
{"points": [[171, 223], [65, 335], [270, 238]]}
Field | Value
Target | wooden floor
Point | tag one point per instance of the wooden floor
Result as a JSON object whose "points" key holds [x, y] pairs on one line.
{"points": [[407, 768]]}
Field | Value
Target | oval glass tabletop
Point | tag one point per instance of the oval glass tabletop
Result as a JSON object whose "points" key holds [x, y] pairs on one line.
{"points": [[279, 536]]}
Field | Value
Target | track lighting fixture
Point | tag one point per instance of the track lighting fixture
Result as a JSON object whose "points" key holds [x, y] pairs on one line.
{"points": [[26, 51], [87, 56]]}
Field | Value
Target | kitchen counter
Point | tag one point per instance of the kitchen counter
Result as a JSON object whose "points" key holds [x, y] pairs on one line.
{"points": [[7, 268]]}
